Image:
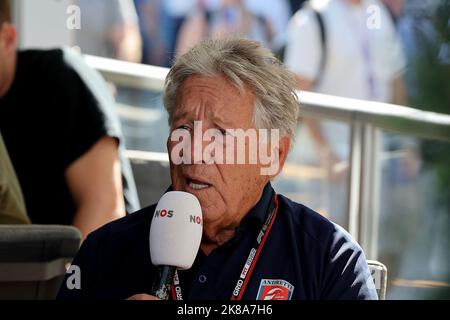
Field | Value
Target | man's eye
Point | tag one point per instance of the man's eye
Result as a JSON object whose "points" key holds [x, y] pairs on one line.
{"points": [[184, 127]]}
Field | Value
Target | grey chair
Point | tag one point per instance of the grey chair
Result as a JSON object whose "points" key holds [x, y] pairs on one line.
{"points": [[33, 260], [379, 275]]}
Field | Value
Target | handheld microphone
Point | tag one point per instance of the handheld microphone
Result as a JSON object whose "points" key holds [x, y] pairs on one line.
{"points": [[175, 236]]}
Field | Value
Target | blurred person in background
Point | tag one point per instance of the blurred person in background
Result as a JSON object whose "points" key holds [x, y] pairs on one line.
{"points": [[64, 139], [152, 22], [110, 29], [12, 204], [277, 13], [227, 18], [175, 14], [333, 49], [196, 27], [424, 28]]}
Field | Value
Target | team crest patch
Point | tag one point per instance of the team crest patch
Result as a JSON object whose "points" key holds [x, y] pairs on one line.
{"points": [[275, 290]]}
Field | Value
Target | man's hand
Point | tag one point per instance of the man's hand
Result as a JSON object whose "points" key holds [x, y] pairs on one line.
{"points": [[143, 296]]}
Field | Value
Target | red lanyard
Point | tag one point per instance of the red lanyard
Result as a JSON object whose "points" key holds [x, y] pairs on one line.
{"points": [[249, 266]]}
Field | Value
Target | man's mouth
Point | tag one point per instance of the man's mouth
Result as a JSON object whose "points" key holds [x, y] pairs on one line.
{"points": [[196, 184]]}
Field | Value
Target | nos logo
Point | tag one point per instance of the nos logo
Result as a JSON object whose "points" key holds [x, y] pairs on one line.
{"points": [[195, 219], [164, 213]]}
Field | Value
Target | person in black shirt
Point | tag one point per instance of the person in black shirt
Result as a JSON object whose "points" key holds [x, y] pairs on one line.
{"points": [[58, 123], [256, 245]]}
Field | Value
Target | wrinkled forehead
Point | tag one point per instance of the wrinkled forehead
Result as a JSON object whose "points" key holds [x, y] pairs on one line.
{"points": [[213, 97]]}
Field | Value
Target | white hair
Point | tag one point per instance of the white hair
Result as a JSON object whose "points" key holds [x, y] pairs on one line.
{"points": [[243, 62]]}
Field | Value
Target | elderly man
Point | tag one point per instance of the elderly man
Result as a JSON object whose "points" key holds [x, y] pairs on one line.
{"points": [[228, 85]]}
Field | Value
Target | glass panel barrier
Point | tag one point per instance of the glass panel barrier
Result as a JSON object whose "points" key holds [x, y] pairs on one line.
{"points": [[414, 222], [143, 118], [315, 178]]}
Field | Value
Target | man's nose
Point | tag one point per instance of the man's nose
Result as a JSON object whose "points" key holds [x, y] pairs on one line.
{"points": [[199, 151]]}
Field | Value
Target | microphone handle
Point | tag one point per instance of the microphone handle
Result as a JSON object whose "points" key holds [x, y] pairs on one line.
{"points": [[163, 281]]}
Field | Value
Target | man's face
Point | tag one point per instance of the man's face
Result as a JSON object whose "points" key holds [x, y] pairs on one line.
{"points": [[226, 191], [7, 56]]}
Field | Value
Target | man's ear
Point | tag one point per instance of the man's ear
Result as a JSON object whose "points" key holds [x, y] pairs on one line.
{"points": [[280, 156], [283, 150], [9, 34]]}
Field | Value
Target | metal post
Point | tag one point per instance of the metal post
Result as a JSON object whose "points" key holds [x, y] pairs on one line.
{"points": [[356, 141], [370, 191], [364, 187]]}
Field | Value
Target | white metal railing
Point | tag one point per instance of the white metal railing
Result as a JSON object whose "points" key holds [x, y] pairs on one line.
{"points": [[380, 115], [366, 119]]}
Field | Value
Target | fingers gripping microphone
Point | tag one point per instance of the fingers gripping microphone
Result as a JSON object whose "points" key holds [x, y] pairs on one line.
{"points": [[175, 236]]}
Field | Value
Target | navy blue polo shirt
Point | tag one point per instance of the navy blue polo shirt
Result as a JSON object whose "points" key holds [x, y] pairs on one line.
{"points": [[305, 256]]}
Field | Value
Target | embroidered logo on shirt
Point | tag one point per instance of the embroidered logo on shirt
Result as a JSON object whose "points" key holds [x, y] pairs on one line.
{"points": [[275, 290]]}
